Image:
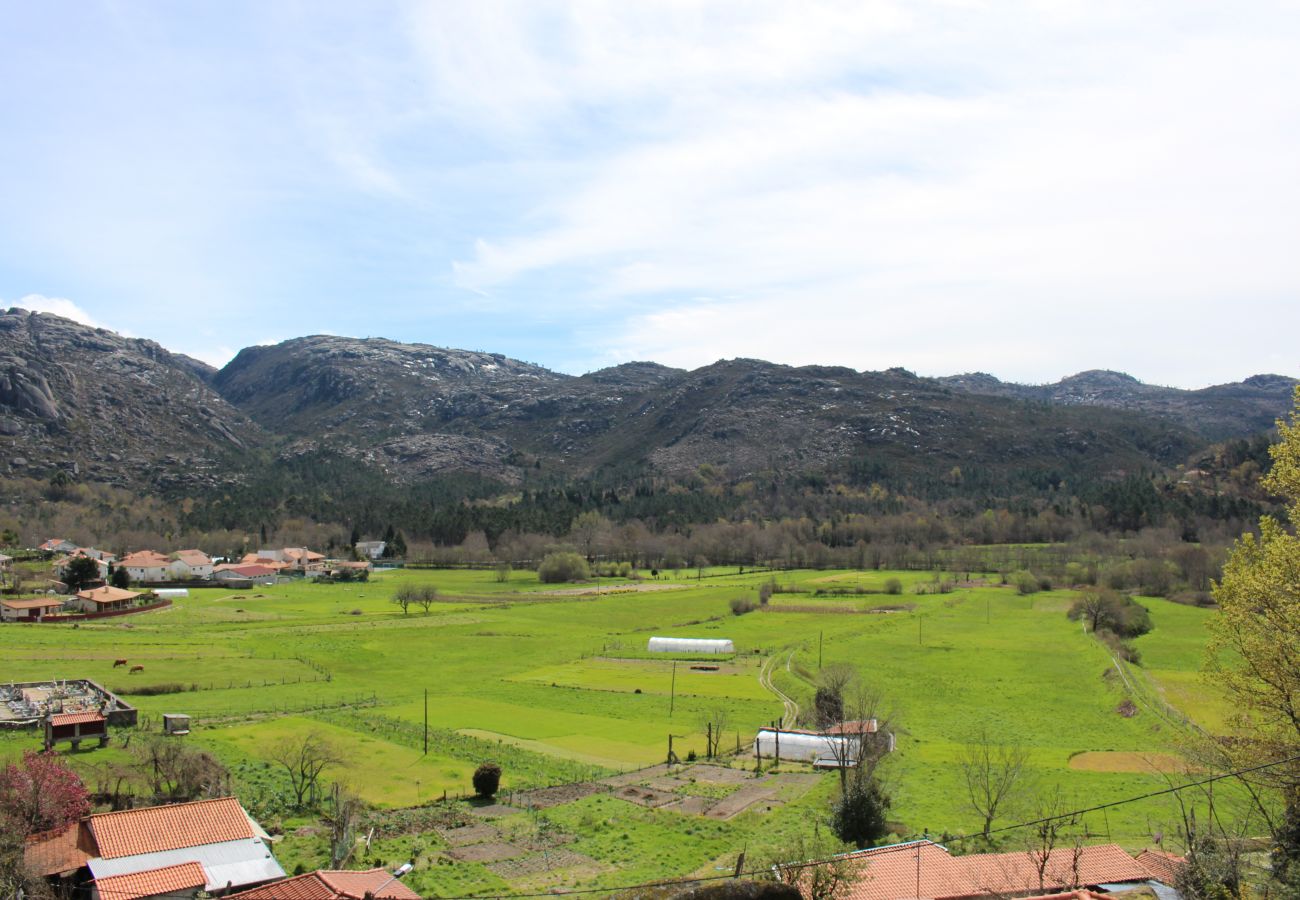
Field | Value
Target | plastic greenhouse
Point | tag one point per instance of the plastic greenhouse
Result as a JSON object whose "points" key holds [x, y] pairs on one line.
{"points": [[806, 746], [690, 645]]}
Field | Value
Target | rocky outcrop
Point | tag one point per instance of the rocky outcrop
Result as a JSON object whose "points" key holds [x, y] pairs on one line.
{"points": [[111, 409]]}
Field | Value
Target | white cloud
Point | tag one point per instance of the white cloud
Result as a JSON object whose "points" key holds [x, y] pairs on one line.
{"points": [[59, 306]]}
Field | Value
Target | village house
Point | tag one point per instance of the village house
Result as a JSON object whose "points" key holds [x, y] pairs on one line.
{"points": [[105, 599], [103, 559], [29, 610], [57, 545], [191, 564], [370, 549], [926, 869], [332, 884], [241, 574], [147, 566], [174, 850], [298, 560]]}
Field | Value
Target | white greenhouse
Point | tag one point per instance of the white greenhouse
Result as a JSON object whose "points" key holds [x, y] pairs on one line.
{"points": [[690, 645], [806, 746]]}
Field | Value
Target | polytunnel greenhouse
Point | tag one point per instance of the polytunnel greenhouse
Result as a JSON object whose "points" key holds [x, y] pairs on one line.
{"points": [[806, 746], [690, 645]]}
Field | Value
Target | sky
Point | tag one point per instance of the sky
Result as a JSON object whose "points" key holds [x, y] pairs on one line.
{"points": [[1028, 189]]}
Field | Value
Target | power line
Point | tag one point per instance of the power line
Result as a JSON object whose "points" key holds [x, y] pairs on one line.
{"points": [[906, 847]]}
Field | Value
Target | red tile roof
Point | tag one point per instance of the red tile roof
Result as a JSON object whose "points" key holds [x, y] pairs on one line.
{"points": [[925, 869], [84, 718], [55, 852], [325, 884], [144, 559], [1163, 866], [107, 595], [36, 603], [193, 557], [866, 726], [152, 882], [170, 827]]}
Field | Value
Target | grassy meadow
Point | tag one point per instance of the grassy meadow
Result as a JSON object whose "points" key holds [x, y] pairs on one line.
{"points": [[557, 686]]}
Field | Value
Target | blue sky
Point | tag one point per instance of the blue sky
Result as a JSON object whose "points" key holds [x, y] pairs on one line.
{"points": [[1028, 189]]}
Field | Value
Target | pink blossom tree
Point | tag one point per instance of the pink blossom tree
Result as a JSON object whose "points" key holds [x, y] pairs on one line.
{"points": [[41, 793]]}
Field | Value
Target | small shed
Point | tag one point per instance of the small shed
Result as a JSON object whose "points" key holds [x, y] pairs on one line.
{"points": [[690, 645], [75, 727], [28, 610], [176, 723]]}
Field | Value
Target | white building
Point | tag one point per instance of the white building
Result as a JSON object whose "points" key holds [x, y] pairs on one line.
{"points": [[191, 564]]}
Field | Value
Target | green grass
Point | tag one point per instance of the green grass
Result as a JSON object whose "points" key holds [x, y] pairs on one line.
{"points": [[548, 685]]}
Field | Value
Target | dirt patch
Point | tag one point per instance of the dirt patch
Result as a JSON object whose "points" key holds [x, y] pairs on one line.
{"points": [[742, 800], [643, 796], [719, 775], [692, 806], [554, 796], [1125, 761], [638, 775], [469, 834], [486, 853], [493, 811], [611, 589], [562, 858]]}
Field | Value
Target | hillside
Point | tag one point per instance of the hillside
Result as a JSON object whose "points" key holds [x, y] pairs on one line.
{"points": [[1216, 413], [110, 409], [126, 411]]}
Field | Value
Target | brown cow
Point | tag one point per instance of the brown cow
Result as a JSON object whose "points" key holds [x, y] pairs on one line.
{"points": [[118, 662], [135, 669]]}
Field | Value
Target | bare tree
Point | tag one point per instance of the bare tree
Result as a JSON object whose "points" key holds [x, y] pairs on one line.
{"points": [[829, 879], [713, 724], [342, 816], [992, 771], [304, 758], [426, 597], [1052, 833], [404, 596]]}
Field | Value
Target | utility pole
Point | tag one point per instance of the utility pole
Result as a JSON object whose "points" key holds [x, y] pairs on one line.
{"points": [[820, 635], [426, 721], [672, 693]]}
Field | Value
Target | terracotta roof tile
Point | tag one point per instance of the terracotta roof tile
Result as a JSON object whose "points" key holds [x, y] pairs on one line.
{"points": [[152, 882], [107, 595], [83, 718], [193, 557], [325, 884], [1162, 866], [925, 869], [35, 603], [55, 852], [170, 827]]}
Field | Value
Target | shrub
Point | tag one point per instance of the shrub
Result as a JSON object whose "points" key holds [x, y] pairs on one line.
{"points": [[893, 586], [557, 568], [152, 690], [741, 605], [765, 591], [858, 816], [1111, 611], [1026, 582], [487, 778]]}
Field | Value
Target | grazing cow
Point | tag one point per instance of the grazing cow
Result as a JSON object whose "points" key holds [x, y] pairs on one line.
{"points": [[118, 662], [135, 669]]}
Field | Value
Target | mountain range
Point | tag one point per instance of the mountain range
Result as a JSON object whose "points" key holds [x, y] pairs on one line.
{"points": [[125, 411]]}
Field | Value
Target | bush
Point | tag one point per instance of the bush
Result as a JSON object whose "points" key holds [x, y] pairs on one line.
{"points": [[741, 605], [765, 591], [893, 586], [1111, 611], [487, 778], [1026, 582], [858, 816], [557, 568], [152, 690]]}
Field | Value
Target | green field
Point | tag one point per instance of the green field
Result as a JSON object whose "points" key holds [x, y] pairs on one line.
{"points": [[558, 687]]}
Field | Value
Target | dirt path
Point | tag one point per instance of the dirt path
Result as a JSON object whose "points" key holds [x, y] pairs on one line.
{"points": [[765, 679]]}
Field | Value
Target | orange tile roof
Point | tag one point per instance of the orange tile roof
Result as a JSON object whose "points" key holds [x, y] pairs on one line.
{"points": [[76, 719], [1163, 866], [144, 559], [157, 828], [37, 603], [65, 849], [925, 869], [193, 557], [325, 884], [152, 882], [107, 595]]}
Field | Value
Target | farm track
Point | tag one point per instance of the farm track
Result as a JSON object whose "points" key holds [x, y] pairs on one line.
{"points": [[791, 717]]}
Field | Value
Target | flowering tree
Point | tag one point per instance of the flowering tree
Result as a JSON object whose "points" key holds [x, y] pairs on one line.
{"points": [[41, 793]]}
